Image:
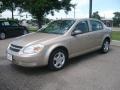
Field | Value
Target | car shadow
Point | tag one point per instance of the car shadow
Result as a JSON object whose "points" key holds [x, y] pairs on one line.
{"points": [[83, 58], [44, 69], [31, 70]]}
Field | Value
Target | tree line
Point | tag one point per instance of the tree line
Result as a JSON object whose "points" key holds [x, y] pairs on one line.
{"points": [[116, 18], [38, 8]]}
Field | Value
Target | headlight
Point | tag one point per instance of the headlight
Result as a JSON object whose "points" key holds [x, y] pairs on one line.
{"points": [[8, 46], [33, 49]]}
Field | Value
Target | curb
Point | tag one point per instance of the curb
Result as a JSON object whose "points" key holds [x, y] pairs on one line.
{"points": [[115, 43]]}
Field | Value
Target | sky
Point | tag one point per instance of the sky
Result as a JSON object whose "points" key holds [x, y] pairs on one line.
{"points": [[106, 8]]}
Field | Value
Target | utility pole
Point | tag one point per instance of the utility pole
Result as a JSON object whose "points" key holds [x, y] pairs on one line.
{"points": [[0, 8], [12, 10], [74, 10], [90, 8]]}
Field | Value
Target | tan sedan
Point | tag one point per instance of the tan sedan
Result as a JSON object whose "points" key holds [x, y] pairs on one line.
{"points": [[60, 40]]}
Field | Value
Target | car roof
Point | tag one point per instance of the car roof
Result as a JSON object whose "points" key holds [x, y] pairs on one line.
{"points": [[7, 20], [2, 19], [79, 19]]}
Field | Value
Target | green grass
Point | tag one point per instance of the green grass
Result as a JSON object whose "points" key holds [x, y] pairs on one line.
{"points": [[116, 35], [33, 29]]}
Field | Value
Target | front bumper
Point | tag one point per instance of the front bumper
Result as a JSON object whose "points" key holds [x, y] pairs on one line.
{"points": [[28, 61]]}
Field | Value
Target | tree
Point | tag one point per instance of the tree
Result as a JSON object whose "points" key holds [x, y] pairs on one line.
{"points": [[39, 8], [96, 15], [8, 4], [116, 19]]}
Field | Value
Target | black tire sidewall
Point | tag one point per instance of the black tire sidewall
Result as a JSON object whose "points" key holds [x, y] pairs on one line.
{"points": [[102, 49], [25, 32], [50, 62]]}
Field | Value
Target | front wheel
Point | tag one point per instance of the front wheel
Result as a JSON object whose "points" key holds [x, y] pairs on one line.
{"points": [[106, 46], [58, 59]]}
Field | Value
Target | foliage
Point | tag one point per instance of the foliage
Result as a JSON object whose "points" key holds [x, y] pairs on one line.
{"points": [[116, 19], [96, 15], [8, 4], [38, 8]]}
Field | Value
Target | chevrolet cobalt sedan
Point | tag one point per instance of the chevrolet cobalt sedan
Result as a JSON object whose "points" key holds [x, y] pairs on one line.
{"points": [[58, 41]]}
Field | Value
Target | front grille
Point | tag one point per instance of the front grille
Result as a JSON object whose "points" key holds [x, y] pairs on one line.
{"points": [[15, 48]]}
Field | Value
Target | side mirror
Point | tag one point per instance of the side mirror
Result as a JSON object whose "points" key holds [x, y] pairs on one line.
{"points": [[76, 32]]}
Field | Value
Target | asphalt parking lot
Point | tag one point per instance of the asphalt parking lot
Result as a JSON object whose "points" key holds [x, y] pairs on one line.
{"points": [[93, 71]]}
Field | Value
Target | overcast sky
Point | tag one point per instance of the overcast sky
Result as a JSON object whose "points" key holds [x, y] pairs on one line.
{"points": [[105, 8]]}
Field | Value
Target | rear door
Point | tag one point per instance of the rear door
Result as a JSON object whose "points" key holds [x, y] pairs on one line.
{"points": [[16, 28], [7, 28], [97, 33]]}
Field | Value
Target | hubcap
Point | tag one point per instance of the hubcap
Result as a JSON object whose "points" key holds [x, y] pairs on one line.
{"points": [[2, 35], [106, 46], [59, 60]]}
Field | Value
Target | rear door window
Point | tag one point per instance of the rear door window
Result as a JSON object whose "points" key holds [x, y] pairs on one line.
{"points": [[13, 24], [96, 25]]}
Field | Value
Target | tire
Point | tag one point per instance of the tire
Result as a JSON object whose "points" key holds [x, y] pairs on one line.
{"points": [[25, 32], [2, 36], [105, 46], [57, 59]]}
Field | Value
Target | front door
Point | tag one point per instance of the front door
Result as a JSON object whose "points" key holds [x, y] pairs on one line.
{"points": [[80, 43]]}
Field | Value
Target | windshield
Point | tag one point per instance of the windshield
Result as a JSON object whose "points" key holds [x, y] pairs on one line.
{"points": [[58, 27]]}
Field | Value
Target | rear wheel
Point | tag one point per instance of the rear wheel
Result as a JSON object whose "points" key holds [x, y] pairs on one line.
{"points": [[2, 35], [106, 46], [25, 32], [57, 59]]}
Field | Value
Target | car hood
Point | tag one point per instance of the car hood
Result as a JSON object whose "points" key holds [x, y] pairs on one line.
{"points": [[34, 38]]}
